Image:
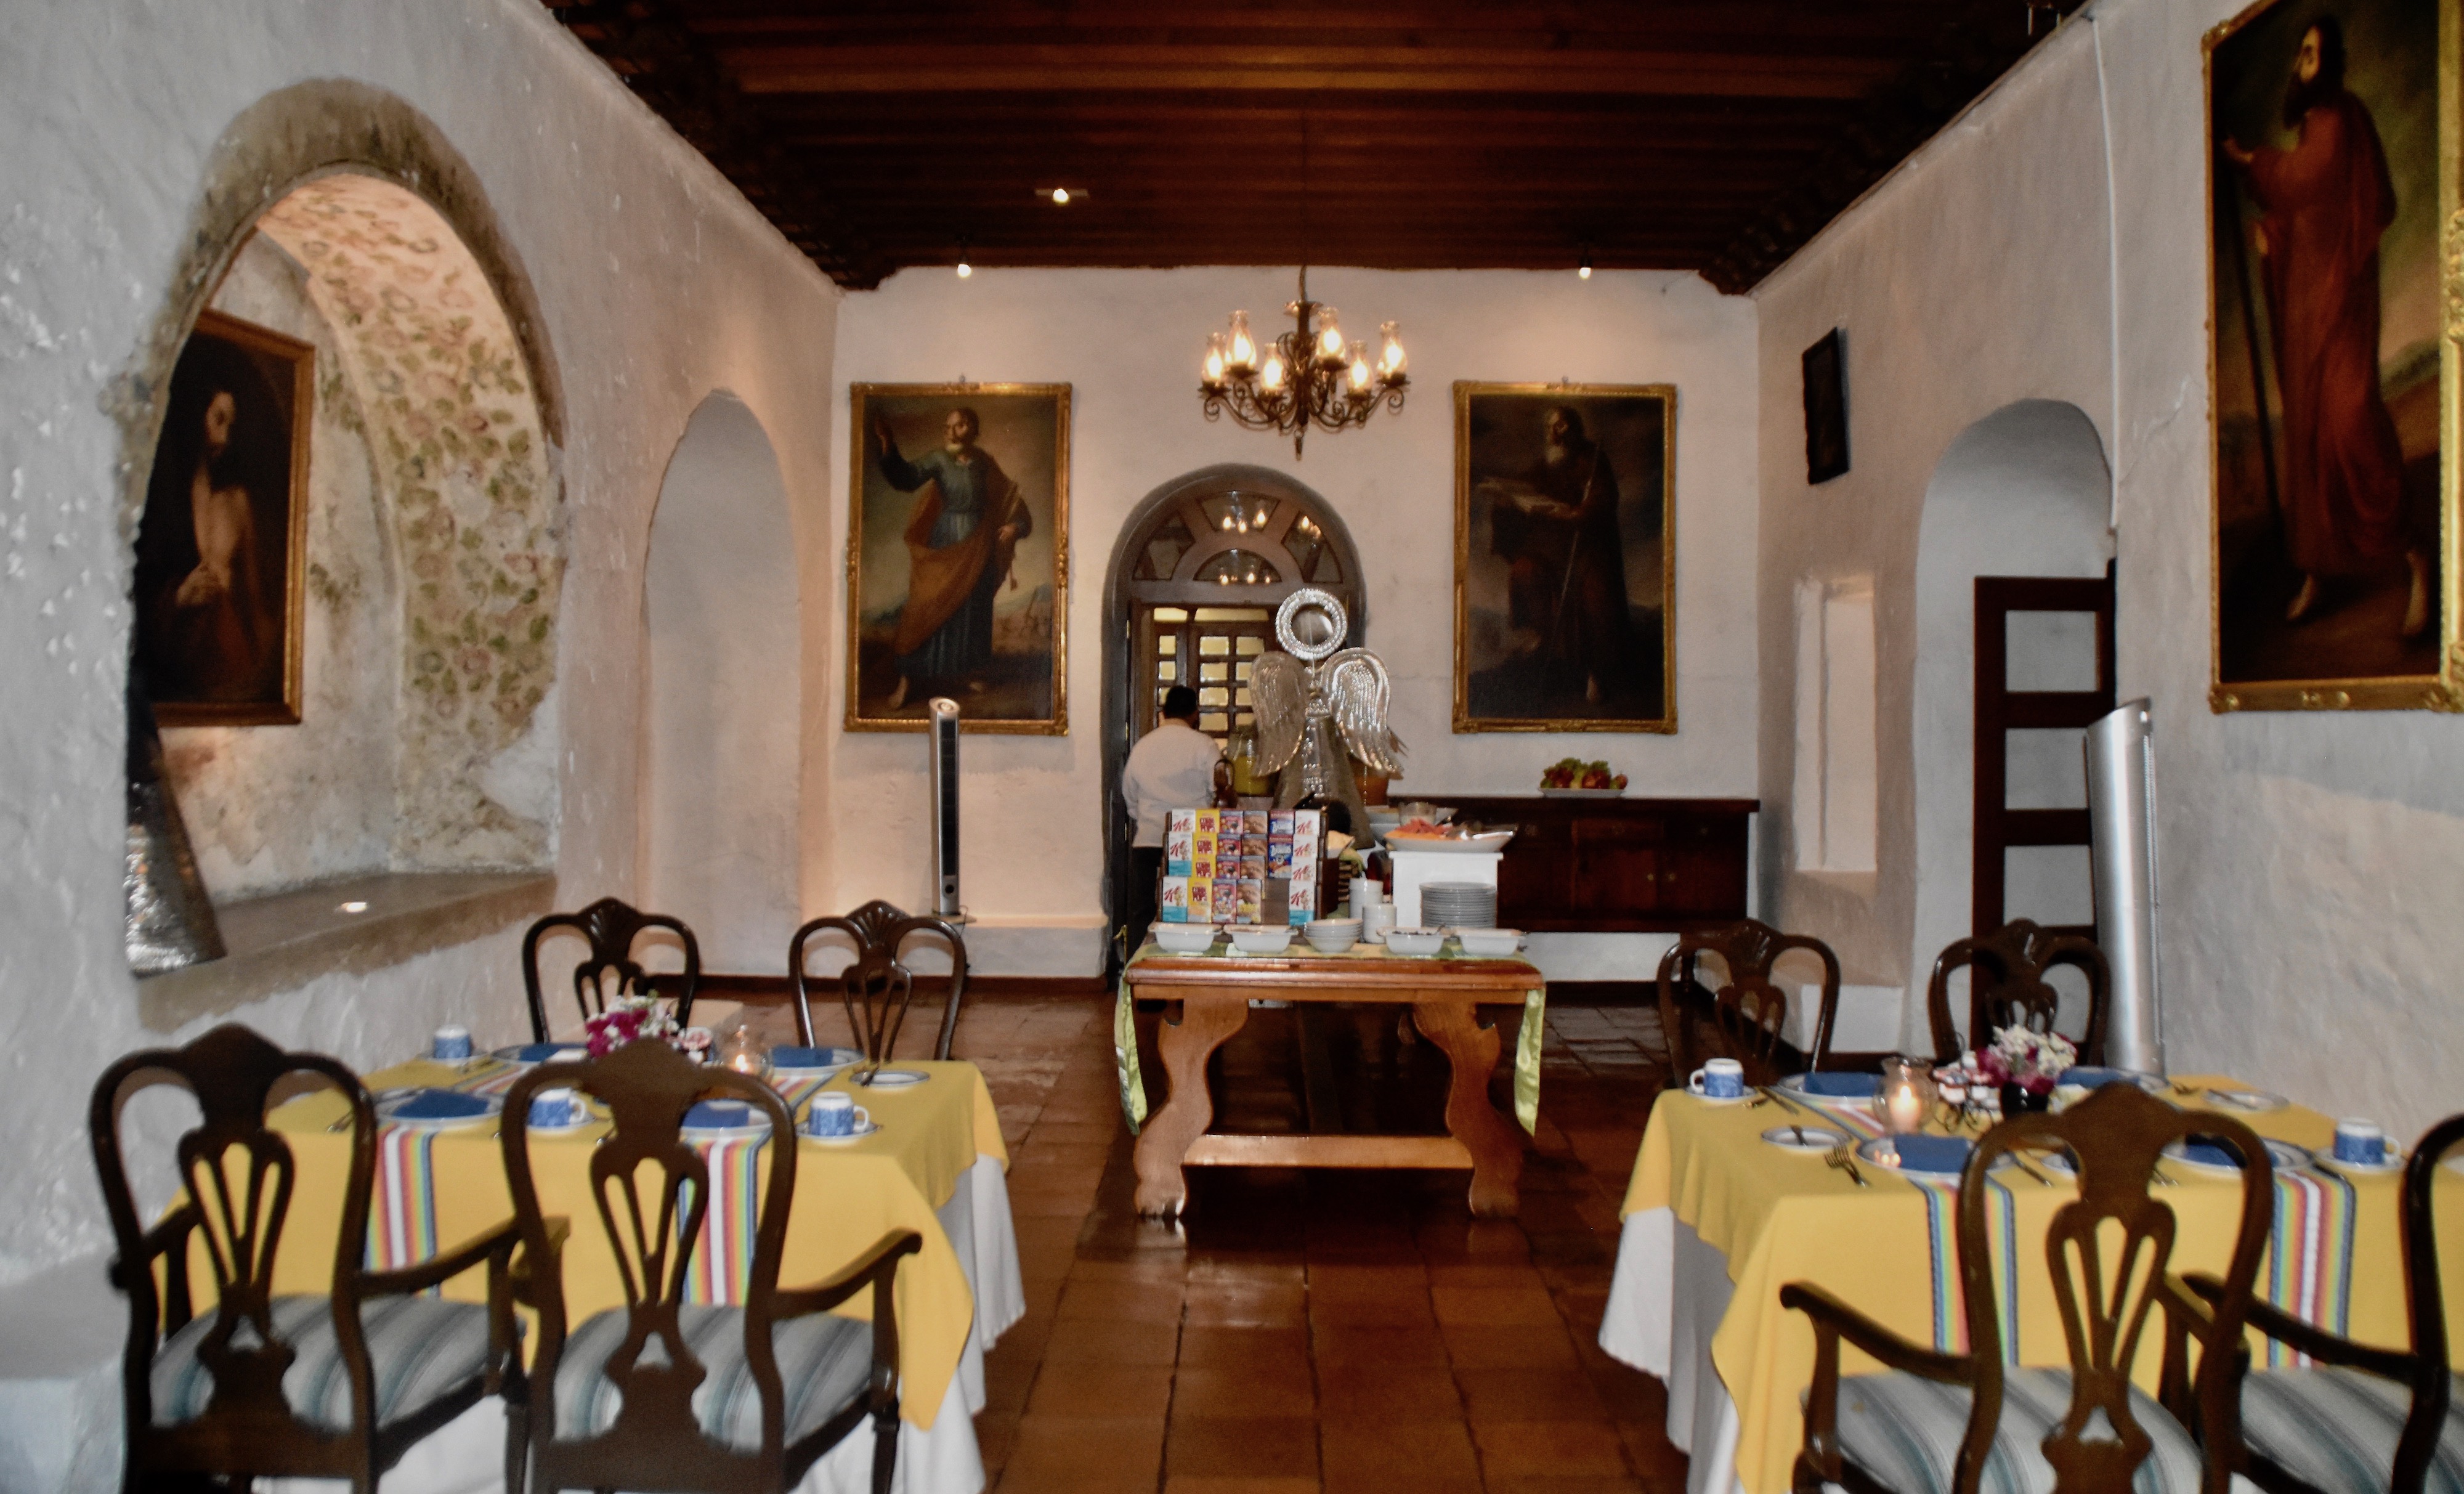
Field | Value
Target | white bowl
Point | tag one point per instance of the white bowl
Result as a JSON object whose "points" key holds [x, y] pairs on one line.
{"points": [[1261, 939], [1414, 941], [1185, 938], [1331, 935], [1489, 943]]}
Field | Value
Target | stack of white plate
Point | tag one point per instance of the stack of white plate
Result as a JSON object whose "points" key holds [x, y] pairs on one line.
{"points": [[1458, 905]]}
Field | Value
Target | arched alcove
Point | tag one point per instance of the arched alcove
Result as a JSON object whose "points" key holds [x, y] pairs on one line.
{"points": [[719, 732], [433, 548], [2023, 492], [1216, 550]]}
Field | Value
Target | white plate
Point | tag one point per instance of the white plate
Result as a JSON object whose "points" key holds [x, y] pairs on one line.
{"points": [[2393, 1164], [1813, 1139], [1793, 1087], [897, 1079], [757, 1121], [2287, 1157], [2249, 1102], [565, 1053], [858, 1134], [1713, 1099], [1485, 843]]}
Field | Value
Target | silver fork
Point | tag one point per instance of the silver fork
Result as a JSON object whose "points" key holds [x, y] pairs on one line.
{"points": [[1837, 1157]]}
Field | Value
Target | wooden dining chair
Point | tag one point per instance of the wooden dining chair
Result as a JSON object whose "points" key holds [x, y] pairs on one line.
{"points": [[337, 1384], [660, 1395], [2006, 987], [1949, 1421], [1749, 1015], [877, 987], [2363, 1419], [612, 928]]}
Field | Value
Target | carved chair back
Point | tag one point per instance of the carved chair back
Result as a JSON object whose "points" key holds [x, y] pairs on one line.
{"points": [[2109, 1252], [2007, 986], [612, 928], [1749, 1015], [651, 1190], [877, 987], [238, 1174]]}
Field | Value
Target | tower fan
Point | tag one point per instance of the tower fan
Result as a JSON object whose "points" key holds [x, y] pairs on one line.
{"points": [[944, 735]]}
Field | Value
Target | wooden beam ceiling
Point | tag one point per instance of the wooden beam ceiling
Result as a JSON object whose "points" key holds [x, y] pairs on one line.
{"points": [[1708, 135]]}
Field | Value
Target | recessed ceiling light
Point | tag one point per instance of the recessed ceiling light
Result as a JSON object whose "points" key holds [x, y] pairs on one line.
{"points": [[354, 906], [1063, 196], [965, 269]]}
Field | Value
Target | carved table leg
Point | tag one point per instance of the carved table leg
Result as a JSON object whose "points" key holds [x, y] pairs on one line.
{"points": [[1496, 1147], [1205, 1022]]}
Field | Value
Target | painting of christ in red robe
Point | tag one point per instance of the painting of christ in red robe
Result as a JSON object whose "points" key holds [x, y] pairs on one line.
{"points": [[2327, 391]]}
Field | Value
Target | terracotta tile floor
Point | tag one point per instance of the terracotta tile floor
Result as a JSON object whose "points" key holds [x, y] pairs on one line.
{"points": [[1300, 1331]]}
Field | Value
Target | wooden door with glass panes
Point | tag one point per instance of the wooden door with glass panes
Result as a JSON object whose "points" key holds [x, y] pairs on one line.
{"points": [[1211, 650]]}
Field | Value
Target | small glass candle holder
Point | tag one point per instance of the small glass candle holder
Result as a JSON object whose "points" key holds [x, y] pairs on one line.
{"points": [[744, 1051], [1905, 1098]]}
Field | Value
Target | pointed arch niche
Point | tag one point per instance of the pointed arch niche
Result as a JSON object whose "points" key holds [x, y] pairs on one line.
{"points": [[415, 803], [1190, 600]]}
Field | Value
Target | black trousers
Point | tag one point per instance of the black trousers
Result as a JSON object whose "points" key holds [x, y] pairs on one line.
{"points": [[1146, 872]]}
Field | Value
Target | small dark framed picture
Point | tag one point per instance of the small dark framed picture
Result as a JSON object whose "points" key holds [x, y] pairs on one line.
{"points": [[1826, 408]]}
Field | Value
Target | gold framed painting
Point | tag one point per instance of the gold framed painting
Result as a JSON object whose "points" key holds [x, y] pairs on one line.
{"points": [[2336, 268], [958, 563], [1565, 558], [222, 548]]}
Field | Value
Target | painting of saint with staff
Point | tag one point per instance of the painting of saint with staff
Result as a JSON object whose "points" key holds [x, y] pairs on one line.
{"points": [[1564, 557]]}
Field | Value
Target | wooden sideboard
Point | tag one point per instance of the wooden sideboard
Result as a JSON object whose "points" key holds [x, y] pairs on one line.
{"points": [[1616, 865]]}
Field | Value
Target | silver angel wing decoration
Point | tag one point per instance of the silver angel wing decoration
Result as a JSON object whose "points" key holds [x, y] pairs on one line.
{"points": [[1357, 692], [1279, 697]]}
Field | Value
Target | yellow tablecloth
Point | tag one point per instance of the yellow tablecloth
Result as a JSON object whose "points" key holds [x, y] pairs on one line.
{"points": [[1782, 1217], [847, 1196]]}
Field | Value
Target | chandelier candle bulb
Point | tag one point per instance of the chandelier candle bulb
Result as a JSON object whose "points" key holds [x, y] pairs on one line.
{"points": [[1244, 352], [1215, 361], [1359, 370], [1329, 335], [1390, 356], [1272, 376]]}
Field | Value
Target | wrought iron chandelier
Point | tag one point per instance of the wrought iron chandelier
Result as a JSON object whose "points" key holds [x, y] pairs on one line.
{"points": [[1308, 376]]}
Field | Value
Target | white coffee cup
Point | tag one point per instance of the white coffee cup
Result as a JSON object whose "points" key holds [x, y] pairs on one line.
{"points": [[2361, 1142], [835, 1113], [555, 1108], [451, 1044], [1720, 1079]]}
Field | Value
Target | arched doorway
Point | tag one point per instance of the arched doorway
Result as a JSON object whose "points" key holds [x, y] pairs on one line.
{"points": [[1190, 599], [722, 707], [2013, 550]]}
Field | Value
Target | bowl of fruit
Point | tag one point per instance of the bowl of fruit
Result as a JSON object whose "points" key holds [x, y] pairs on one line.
{"points": [[1572, 778]]}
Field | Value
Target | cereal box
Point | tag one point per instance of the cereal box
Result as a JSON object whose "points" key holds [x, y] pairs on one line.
{"points": [[1253, 897], [1279, 855], [1174, 907], [1206, 822], [1253, 821], [1253, 869], [1227, 899], [1202, 867], [1279, 822], [1199, 900], [1299, 899], [1179, 829]]}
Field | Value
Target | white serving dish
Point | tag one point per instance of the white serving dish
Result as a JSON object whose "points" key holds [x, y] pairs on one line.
{"points": [[1331, 935], [1261, 939], [1489, 943], [1486, 843], [1421, 942], [1185, 938]]}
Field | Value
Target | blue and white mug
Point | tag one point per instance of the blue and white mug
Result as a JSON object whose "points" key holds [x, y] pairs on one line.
{"points": [[1720, 1079], [555, 1108], [835, 1113], [2361, 1142], [451, 1044]]}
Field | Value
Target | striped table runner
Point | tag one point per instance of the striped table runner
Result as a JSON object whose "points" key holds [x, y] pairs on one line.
{"points": [[722, 1258], [2308, 1271]]}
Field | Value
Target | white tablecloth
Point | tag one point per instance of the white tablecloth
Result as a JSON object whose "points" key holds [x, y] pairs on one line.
{"points": [[1665, 1302], [468, 1455]]}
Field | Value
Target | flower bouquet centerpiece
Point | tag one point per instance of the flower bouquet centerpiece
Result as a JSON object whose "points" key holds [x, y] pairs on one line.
{"points": [[2024, 1063], [629, 1018]]}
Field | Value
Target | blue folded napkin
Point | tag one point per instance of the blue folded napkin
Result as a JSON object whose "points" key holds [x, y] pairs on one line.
{"points": [[2089, 1077], [812, 1058], [1932, 1153], [439, 1105], [721, 1115], [2211, 1153], [1846, 1087]]}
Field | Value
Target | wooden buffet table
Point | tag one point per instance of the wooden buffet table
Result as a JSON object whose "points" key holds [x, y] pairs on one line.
{"points": [[1214, 992]]}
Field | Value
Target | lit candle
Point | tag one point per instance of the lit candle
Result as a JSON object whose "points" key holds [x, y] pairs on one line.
{"points": [[1908, 1110]]}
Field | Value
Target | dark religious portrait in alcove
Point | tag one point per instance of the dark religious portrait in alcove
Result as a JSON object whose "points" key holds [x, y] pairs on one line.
{"points": [[1563, 557], [959, 516], [218, 551], [2325, 128]]}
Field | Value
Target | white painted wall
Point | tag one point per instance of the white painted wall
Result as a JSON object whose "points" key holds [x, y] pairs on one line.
{"points": [[719, 844], [2306, 860], [656, 283], [1127, 342]]}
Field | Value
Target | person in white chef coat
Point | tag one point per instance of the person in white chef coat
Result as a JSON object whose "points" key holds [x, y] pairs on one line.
{"points": [[1172, 767]]}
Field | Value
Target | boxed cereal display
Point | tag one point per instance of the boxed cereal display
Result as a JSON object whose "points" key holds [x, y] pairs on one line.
{"points": [[1198, 898], [1181, 828], [1173, 907]]}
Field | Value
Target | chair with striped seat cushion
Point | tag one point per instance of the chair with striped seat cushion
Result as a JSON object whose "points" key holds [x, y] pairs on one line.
{"points": [[2367, 1419], [420, 1348], [661, 1395], [2335, 1430], [263, 1385], [824, 1363], [1970, 1423], [1904, 1431]]}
